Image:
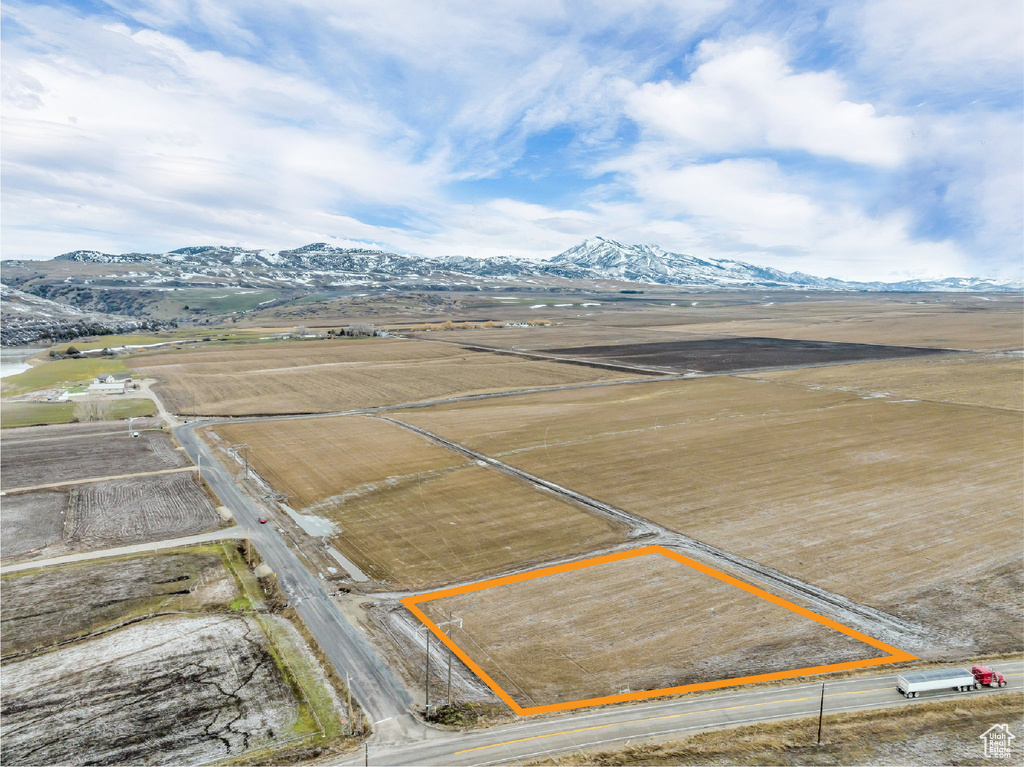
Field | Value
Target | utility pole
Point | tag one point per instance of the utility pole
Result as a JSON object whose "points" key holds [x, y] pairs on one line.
{"points": [[426, 682], [243, 446], [248, 547], [366, 761], [449, 660], [348, 702], [426, 677], [821, 711]]}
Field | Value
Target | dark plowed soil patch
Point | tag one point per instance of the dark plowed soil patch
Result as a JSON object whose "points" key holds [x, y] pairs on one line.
{"points": [[720, 355]]}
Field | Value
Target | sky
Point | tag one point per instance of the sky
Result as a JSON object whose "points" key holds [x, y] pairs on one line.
{"points": [[869, 139]]}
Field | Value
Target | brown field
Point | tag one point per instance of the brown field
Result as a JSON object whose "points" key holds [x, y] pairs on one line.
{"points": [[409, 513], [42, 455], [48, 523], [930, 732], [324, 376], [987, 380], [913, 507], [961, 322], [642, 624]]}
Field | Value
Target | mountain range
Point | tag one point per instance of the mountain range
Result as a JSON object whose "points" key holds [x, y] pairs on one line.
{"points": [[596, 258]]}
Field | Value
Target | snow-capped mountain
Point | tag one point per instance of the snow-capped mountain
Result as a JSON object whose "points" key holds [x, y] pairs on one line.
{"points": [[652, 264], [596, 258]]}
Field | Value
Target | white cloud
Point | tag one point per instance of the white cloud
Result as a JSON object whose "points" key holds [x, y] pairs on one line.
{"points": [[947, 44], [749, 209], [744, 96]]}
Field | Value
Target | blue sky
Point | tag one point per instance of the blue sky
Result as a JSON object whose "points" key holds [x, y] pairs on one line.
{"points": [[879, 139]]}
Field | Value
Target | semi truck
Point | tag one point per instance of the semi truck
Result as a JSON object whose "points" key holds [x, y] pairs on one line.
{"points": [[912, 683]]}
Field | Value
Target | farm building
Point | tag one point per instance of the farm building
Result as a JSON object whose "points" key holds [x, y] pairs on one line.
{"points": [[113, 378]]}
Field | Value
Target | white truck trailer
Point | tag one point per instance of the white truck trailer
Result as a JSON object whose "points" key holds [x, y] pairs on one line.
{"points": [[913, 683]]}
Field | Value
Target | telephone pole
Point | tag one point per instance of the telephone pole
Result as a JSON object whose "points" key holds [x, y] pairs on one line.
{"points": [[243, 446], [449, 660], [821, 711], [426, 677], [426, 682]]}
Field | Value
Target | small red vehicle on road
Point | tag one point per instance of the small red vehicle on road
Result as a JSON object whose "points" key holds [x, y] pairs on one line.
{"points": [[986, 676], [263, 520]]}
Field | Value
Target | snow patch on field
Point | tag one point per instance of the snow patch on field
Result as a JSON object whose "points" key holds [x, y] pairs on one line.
{"points": [[166, 691]]}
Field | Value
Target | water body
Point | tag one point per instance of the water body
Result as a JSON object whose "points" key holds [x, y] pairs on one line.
{"points": [[15, 360]]}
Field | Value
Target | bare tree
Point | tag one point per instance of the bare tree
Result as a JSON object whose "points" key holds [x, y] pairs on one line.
{"points": [[92, 410], [360, 329]]}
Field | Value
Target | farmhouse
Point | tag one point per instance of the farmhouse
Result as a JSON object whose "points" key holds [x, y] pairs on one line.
{"points": [[110, 383], [113, 378]]}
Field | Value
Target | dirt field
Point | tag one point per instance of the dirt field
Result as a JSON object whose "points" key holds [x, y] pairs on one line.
{"points": [[32, 522], [324, 376], [409, 513], [47, 523], [638, 624], [891, 503], [151, 659], [933, 732], [987, 380], [725, 354], [175, 690], [45, 608], [39, 455], [956, 322]]}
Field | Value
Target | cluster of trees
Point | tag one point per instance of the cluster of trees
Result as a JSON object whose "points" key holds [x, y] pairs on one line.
{"points": [[356, 329]]}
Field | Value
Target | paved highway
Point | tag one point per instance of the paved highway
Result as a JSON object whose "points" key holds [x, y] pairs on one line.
{"points": [[610, 728], [380, 694]]}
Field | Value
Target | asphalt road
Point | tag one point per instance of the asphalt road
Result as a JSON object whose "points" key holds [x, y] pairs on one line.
{"points": [[374, 687], [611, 728]]}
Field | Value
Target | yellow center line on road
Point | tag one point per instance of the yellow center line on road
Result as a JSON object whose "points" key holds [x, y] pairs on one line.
{"points": [[683, 714], [631, 721]]}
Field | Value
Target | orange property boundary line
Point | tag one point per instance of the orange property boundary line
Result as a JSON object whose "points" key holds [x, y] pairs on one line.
{"points": [[895, 655]]}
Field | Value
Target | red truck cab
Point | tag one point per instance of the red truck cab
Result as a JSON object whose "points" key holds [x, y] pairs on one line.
{"points": [[986, 676]]}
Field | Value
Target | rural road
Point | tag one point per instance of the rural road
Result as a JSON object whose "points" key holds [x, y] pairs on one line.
{"points": [[611, 728], [89, 480], [381, 696], [170, 543]]}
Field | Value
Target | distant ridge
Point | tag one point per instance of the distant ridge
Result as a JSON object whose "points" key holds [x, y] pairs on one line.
{"points": [[596, 258]]}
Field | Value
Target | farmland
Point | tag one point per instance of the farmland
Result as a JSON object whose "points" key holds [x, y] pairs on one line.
{"points": [[986, 380], [958, 322], [16, 414], [907, 506], [43, 455], [149, 659], [46, 523], [946, 321], [639, 624], [725, 354], [324, 376], [60, 372], [409, 513]]}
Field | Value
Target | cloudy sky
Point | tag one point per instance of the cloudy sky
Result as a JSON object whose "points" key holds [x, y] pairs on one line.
{"points": [[879, 139]]}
